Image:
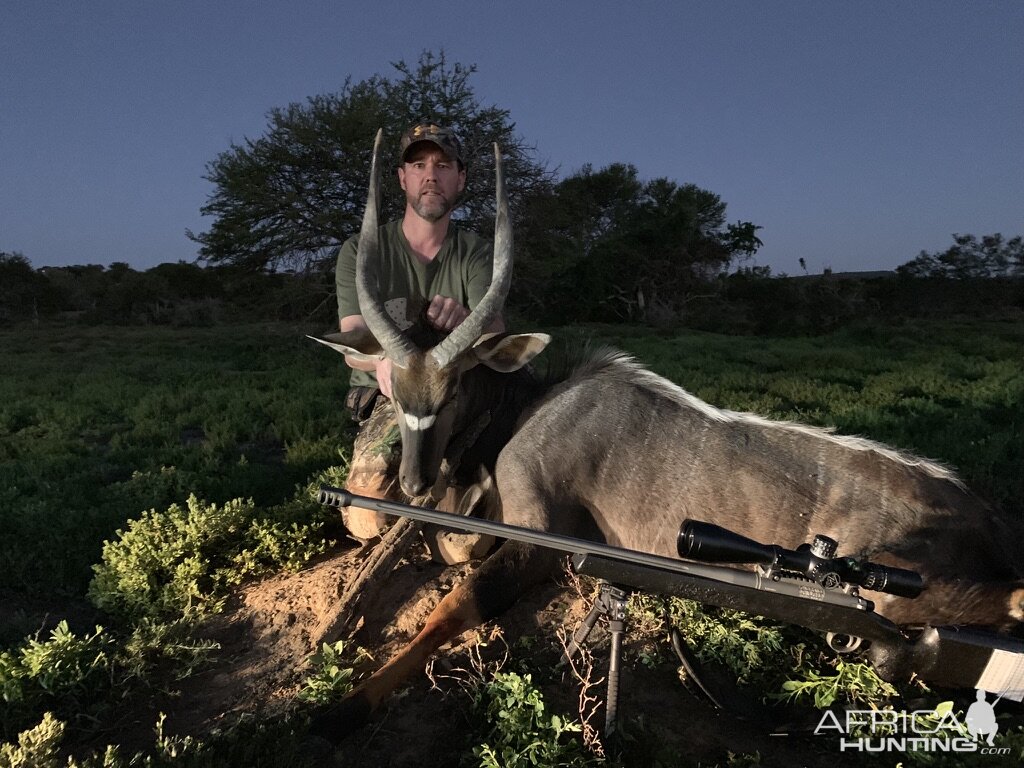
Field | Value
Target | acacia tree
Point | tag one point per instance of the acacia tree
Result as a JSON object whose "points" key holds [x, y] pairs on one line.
{"points": [[286, 199]]}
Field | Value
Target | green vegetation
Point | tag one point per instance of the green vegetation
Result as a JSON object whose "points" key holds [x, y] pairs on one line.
{"points": [[855, 683], [332, 675], [98, 425], [248, 744], [38, 673], [157, 468], [77, 675], [748, 646], [522, 731], [179, 563]]}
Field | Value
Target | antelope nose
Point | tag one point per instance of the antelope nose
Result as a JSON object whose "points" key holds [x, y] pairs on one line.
{"points": [[413, 486]]}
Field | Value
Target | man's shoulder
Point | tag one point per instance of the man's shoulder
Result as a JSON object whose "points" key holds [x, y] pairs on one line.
{"points": [[388, 233], [468, 235], [469, 242]]}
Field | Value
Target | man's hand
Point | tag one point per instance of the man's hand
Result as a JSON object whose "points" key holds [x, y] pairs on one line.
{"points": [[444, 313], [383, 371]]}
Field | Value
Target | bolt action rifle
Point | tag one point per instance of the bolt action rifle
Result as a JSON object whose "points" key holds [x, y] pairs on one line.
{"points": [[808, 586]]}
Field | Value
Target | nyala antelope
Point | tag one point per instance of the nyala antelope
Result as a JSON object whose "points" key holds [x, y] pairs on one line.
{"points": [[608, 450]]}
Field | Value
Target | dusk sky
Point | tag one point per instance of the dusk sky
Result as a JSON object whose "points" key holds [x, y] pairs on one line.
{"points": [[857, 134]]}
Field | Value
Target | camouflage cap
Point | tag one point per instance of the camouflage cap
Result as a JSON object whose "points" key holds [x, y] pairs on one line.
{"points": [[445, 138]]}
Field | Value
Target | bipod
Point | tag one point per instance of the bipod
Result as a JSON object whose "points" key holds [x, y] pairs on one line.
{"points": [[610, 603]]}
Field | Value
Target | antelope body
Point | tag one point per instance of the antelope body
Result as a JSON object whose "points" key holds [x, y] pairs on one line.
{"points": [[608, 450]]}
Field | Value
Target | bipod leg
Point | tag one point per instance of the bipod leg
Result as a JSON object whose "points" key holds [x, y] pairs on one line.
{"points": [[614, 599], [694, 670], [583, 632], [611, 603]]}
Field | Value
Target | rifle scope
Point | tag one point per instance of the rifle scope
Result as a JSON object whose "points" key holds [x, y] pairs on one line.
{"points": [[710, 543]]}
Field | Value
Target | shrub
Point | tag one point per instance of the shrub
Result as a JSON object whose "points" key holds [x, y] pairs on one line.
{"points": [[64, 669], [182, 562], [36, 747], [851, 683]]}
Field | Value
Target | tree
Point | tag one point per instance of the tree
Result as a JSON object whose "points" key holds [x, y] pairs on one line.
{"points": [[604, 245], [25, 293], [286, 199], [992, 256]]}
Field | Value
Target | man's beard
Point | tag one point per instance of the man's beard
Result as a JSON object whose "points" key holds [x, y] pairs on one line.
{"points": [[431, 207]]}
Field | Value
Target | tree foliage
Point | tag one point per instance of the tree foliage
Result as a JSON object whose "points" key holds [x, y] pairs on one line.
{"points": [[24, 293], [285, 199], [604, 245], [969, 257]]}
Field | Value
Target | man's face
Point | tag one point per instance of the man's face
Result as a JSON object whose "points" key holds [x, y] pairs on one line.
{"points": [[431, 180]]}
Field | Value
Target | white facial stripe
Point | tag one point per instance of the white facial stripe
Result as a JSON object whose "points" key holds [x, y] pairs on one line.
{"points": [[418, 423]]}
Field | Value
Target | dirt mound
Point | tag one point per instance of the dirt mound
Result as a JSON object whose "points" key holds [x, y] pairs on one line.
{"points": [[269, 629]]}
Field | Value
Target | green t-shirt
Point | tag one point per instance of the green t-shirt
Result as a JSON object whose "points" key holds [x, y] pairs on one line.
{"points": [[461, 271]]}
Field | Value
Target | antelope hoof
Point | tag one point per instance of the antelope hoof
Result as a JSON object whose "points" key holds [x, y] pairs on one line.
{"points": [[340, 720]]}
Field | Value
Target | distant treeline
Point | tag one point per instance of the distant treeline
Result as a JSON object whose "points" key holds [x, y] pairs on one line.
{"points": [[749, 300], [181, 294]]}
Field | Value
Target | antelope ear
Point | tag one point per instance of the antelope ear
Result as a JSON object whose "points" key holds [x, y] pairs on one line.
{"points": [[507, 353], [359, 344]]}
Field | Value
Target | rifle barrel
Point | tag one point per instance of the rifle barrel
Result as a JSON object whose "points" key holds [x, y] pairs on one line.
{"points": [[339, 497]]}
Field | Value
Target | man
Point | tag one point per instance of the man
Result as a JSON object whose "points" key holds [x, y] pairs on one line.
{"points": [[426, 266]]}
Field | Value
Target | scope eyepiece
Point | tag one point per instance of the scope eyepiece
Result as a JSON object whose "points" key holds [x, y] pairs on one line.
{"points": [[884, 578]]}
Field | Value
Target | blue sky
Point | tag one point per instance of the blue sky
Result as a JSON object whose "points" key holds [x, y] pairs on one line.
{"points": [[857, 134]]}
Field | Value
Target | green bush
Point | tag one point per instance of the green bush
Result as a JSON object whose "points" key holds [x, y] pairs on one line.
{"points": [[748, 646], [65, 669], [36, 747], [852, 683], [246, 744], [181, 562], [71, 674]]}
